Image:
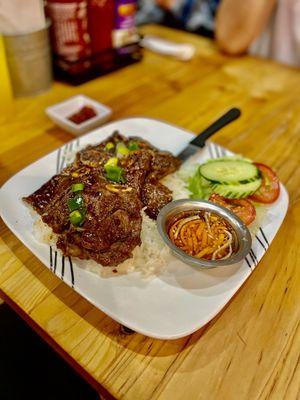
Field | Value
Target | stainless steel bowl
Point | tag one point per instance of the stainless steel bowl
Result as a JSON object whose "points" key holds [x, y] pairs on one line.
{"points": [[242, 232]]}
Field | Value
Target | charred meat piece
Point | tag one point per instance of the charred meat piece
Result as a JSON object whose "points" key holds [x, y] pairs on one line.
{"points": [[113, 221], [92, 156], [50, 202], [137, 166], [143, 174], [163, 163], [110, 225], [96, 156], [155, 196]]}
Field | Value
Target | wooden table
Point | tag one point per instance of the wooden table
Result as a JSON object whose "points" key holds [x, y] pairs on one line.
{"points": [[251, 349]]}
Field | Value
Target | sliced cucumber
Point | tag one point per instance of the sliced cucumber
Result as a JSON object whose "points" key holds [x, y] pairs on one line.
{"points": [[230, 158], [237, 191], [228, 171]]}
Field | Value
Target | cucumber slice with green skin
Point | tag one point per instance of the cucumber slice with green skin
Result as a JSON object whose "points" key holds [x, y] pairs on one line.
{"points": [[230, 158], [237, 191], [229, 171], [255, 178]]}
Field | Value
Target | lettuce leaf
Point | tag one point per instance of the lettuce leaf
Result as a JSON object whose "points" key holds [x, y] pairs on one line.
{"points": [[199, 187]]}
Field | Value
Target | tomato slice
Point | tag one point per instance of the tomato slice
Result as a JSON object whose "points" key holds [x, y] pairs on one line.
{"points": [[243, 208], [270, 188]]}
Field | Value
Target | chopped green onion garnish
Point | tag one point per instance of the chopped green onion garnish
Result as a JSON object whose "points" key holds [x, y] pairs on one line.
{"points": [[75, 203], [115, 173], [123, 179], [109, 146], [77, 187], [76, 218], [132, 146], [122, 150], [113, 161]]}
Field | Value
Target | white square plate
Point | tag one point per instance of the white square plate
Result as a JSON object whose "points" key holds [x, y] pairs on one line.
{"points": [[171, 305]]}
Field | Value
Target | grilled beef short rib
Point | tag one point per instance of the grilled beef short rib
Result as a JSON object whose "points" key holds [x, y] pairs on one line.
{"points": [[112, 223]]}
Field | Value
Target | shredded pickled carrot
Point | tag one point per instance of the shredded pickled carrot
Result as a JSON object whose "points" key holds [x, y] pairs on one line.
{"points": [[195, 242], [204, 238], [207, 250], [203, 235], [200, 230], [183, 235]]}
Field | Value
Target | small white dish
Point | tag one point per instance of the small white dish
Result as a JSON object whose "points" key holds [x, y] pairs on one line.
{"points": [[60, 112]]}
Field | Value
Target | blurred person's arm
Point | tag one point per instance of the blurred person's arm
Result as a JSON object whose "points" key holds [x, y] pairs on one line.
{"points": [[240, 22]]}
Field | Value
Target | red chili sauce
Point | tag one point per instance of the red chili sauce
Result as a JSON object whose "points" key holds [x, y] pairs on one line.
{"points": [[82, 115]]}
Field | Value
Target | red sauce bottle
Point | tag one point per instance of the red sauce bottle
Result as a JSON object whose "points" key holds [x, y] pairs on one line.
{"points": [[69, 30], [101, 24]]}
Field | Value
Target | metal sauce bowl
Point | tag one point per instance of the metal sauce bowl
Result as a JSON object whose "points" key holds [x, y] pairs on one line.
{"points": [[242, 233]]}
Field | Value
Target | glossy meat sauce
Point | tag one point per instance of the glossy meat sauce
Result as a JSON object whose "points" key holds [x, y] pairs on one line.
{"points": [[112, 218]]}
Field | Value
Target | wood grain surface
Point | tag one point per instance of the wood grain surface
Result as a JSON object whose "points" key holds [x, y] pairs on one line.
{"points": [[251, 349]]}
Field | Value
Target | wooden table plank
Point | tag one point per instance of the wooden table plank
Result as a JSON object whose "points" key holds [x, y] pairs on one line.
{"points": [[251, 349]]}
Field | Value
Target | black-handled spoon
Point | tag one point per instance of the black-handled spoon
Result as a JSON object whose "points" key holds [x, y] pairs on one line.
{"points": [[199, 141]]}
